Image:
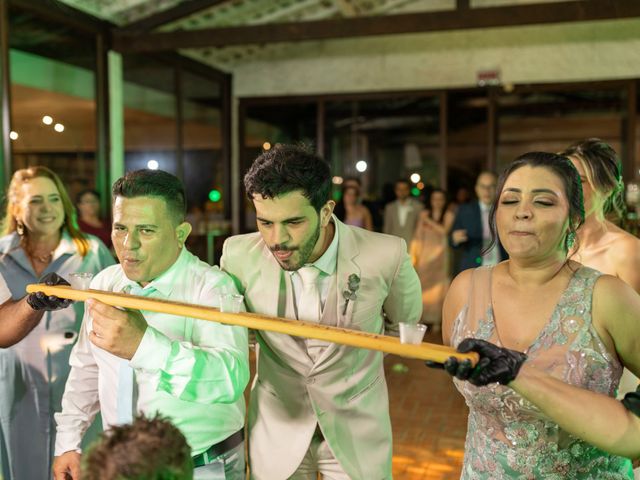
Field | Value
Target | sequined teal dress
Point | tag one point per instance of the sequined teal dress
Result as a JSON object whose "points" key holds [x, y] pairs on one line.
{"points": [[507, 436]]}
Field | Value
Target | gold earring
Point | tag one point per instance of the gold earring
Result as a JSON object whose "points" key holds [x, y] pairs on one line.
{"points": [[19, 228]]}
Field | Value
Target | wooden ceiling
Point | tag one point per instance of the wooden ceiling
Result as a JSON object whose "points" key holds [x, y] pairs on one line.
{"points": [[225, 33]]}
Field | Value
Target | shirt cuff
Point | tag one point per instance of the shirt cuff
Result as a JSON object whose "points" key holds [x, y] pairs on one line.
{"points": [[153, 351], [67, 442]]}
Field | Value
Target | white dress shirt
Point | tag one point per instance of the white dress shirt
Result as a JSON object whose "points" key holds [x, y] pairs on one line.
{"points": [[192, 371], [327, 264], [5, 293], [403, 211]]}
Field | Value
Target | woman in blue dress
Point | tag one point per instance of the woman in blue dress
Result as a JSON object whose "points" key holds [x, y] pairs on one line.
{"points": [[41, 237]]}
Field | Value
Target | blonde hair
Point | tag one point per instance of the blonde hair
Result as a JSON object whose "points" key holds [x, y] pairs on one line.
{"points": [[24, 175], [603, 171]]}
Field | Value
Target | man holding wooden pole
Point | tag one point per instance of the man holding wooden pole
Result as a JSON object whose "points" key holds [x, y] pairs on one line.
{"points": [[317, 407], [128, 362]]}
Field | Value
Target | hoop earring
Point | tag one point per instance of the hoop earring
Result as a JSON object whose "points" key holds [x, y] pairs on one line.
{"points": [[19, 228]]}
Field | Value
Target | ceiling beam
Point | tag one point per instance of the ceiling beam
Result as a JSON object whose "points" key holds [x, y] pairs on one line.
{"points": [[466, 18], [57, 11], [181, 10]]}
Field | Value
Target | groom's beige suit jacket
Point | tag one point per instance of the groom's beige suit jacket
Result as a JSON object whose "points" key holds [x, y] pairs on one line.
{"points": [[344, 391]]}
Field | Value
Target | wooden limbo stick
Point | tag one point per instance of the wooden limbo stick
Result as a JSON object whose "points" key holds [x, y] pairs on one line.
{"points": [[344, 336]]}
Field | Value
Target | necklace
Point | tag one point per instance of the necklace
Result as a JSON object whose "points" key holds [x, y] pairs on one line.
{"points": [[46, 258], [42, 258]]}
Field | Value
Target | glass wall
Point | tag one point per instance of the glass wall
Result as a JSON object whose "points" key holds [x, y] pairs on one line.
{"points": [[446, 138], [381, 140], [264, 124], [53, 98], [554, 118], [176, 114], [150, 108], [467, 140], [174, 121]]}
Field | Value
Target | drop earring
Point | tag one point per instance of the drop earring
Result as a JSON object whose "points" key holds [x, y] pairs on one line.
{"points": [[570, 240], [19, 228]]}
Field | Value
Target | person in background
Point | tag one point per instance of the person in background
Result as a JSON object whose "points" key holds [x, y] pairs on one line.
{"points": [[600, 243], [429, 252], [375, 206], [147, 449], [463, 196], [470, 233], [36, 331], [88, 206], [565, 320], [350, 211], [401, 215]]}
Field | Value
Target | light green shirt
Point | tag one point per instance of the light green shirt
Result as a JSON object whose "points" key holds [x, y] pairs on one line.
{"points": [[192, 371]]}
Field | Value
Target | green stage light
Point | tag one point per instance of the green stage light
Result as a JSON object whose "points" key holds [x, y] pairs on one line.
{"points": [[415, 191], [215, 196]]}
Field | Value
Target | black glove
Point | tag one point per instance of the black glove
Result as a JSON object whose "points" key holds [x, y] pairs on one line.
{"points": [[631, 402], [496, 364], [40, 301]]}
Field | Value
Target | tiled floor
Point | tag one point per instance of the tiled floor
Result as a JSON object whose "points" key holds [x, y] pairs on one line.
{"points": [[429, 420]]}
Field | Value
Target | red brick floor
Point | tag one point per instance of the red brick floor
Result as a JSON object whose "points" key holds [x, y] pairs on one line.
{"points": [[429, 420], [428, 417]]}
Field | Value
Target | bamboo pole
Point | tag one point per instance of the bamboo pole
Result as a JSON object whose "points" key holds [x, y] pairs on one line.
{"points": [[344, 336]]}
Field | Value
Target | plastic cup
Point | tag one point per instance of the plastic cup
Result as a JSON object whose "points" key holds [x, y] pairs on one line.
{"points": [[80, 280], [412, 333], [230, 302]]}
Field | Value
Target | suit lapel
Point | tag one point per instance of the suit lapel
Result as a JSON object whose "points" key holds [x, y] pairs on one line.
{"points": [[269, 288], [347, 253]]}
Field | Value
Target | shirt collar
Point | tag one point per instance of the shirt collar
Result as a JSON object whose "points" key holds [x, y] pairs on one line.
{"points": [[165, 282], [483, 207], [66, 245], [328, 260]]}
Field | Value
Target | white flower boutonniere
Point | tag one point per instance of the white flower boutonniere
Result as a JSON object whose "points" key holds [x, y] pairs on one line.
{"points": [[349, 295]]}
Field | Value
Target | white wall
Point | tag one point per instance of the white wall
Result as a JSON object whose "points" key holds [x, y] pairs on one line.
{"points": [[533, 54]]}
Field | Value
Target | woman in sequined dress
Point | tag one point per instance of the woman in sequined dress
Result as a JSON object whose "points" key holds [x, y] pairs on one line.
{"points": [[579, 327]]}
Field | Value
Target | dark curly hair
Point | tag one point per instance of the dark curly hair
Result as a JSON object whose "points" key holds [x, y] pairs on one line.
{"points": [[287, 168], [565, 170], [147, 449]]}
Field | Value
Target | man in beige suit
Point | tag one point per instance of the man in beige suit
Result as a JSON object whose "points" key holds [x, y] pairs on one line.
{"points": [[401, 215], [317, 407]]}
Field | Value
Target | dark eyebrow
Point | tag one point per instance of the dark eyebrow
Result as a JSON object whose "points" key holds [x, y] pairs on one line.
{"points": [[286, 220], [537, 190], [144, 225]]}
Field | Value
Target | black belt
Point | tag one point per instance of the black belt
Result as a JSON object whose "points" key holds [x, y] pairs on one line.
{"points": [[218, 449]]}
